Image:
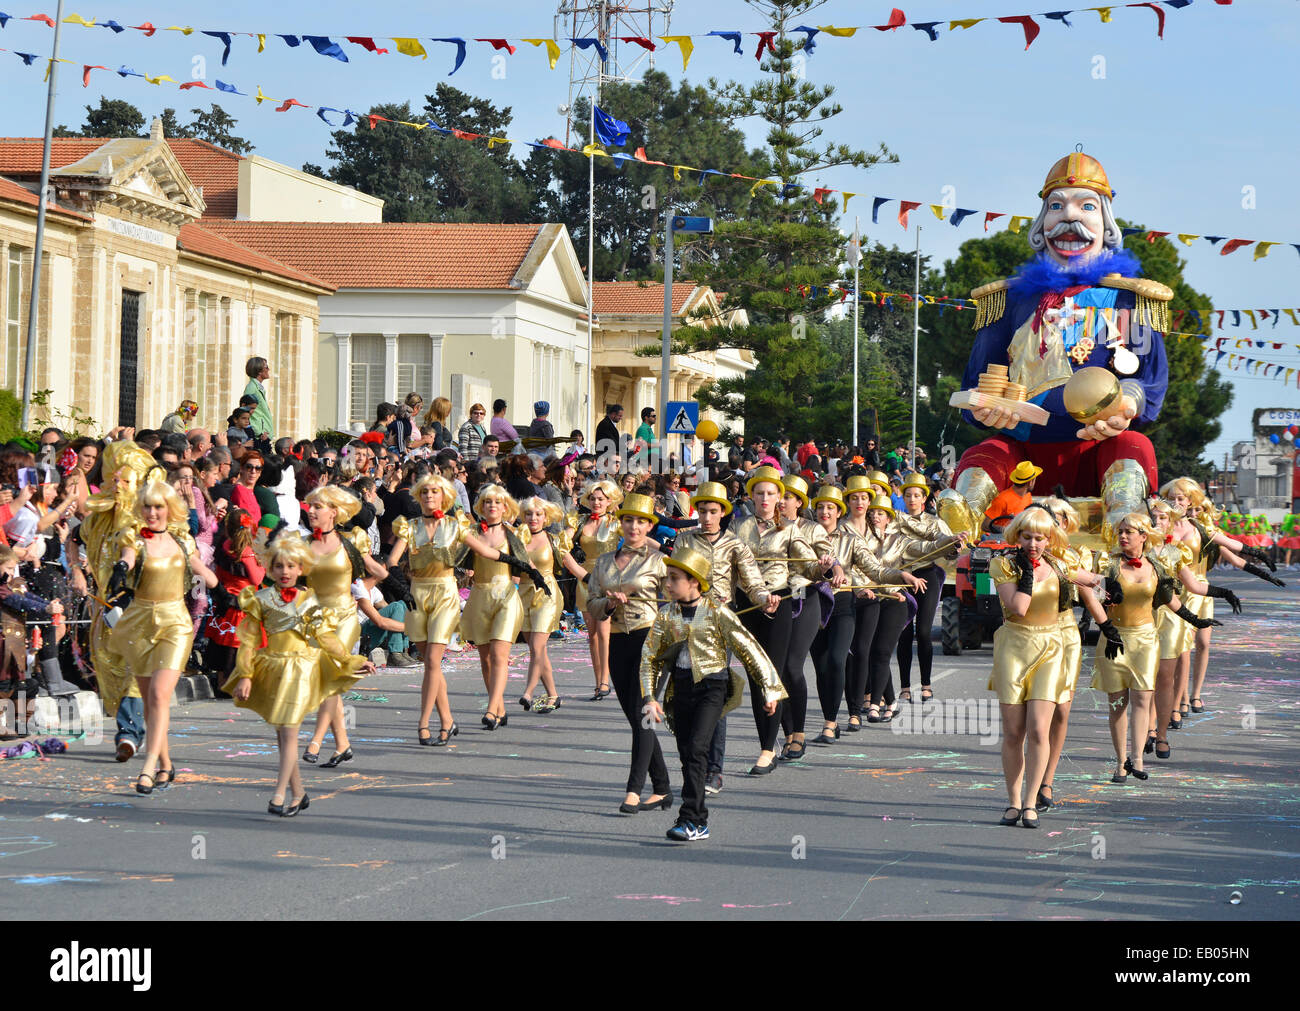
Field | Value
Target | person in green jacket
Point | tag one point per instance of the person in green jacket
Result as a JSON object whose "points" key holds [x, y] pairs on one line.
{"points": [[259, 371]]}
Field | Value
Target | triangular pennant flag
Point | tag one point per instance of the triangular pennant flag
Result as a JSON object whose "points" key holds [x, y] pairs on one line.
{"points": [[411, 47], [928, 27], [1160, 17], [366, 43], [374, 119], [183, 31], [1153, 235], [820, 192], [839, 33], [292, 41], [846, 196], [499, 44], [1017, 220], [1232, 245], [222, 86], [1214, 240], [77, 19], [225, 38], [1060, 16], [1186, 238], [875, 207], [122, 71], [43, 18], [1126, 232], [683, 42], [85, 72], [594, 151], [324, 118], [159, 79], [1253, 324], [759, 184], [460, 52], [939, 211], [116, 28], [639, 40], [326, 46], [289, 103], [764, 42], [703, 173], [261, 42], [896, 20], [1027, 23], [905, 207], [588, 43], [808, 44], [147, 28], [959, 215], [732, 37], [260, 98], [6, 18], [194, 84], [964, 23], [1291, 313], [992, 216], [1262, 249], [552, 49]]}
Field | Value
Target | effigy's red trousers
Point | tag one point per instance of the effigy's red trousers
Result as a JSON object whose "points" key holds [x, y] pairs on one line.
{"points": [[1078, 465]]}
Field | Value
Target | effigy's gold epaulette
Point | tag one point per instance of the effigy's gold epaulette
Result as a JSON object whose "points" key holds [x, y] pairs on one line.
{"points": [[990, 302], [1152, 304]]}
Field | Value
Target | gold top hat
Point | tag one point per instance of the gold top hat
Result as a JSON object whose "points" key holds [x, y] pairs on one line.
{"points": [[797, 487], [712, 491], [761, 474], [859, 482], [1078, 169], [883, 502], [916, 480], [1025, 472], [830, 493], [881, 479], [693, 564], [638, 505]]}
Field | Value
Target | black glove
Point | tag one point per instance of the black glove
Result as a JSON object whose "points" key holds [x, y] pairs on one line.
{"points": [[1114, 592], [1258, 553], [1224, 593], [1257, 570], [538, 580], [1193, 620], [221, 599], [1025, 584], [117, 581], [1114, 641]]}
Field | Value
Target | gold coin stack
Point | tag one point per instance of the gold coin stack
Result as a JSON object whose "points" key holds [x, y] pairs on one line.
{"points": [[1014, 391], [993, 382]]}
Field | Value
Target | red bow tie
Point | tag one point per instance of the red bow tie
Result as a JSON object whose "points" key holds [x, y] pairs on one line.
{"points": [[1035, 562], [320, 535], [437, 514], [287, 594], [1134, 562], [1169, 538], [146, 533]]}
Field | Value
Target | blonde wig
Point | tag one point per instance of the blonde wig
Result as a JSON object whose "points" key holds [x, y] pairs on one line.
{"points": [[495, 492], [1141, 523], [611, 491], [1064, 513], [1159, 505], [442, 484], [160, 493], [549, 509], [344, 503], [1037, 520], [289, 544]]}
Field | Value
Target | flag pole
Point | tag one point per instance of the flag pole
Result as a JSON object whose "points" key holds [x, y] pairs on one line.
{"points": [[916, 337], [591, 270], [857, 289]]}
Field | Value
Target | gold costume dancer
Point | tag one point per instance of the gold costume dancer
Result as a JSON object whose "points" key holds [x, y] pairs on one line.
{"points": [[548, 553], [596, 534], [434, 543]]}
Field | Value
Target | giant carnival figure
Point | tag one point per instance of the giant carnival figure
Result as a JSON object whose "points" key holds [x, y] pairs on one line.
{"points": [[1082, 334]]}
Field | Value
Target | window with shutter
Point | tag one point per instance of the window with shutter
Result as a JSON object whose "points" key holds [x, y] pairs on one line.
{"points": [[415, 366], [13, 317], [367, 378]]}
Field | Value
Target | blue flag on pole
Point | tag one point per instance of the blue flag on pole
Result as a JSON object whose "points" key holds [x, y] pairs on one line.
{"points": [[609, 130]]}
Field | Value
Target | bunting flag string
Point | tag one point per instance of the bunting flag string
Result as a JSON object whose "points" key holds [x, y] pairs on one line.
{"points": [[324, 45], [955, 216]]}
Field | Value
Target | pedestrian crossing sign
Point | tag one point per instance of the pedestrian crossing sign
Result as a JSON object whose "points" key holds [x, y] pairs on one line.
{"points": [[683, 416]]}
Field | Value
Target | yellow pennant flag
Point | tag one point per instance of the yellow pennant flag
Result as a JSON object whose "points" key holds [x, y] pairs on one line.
{"points": [[159, 79], [843, 33], [965, 23], [261, 42], [1230, 359], [1262, 248], [183, 31], [1103, 11], [684, 43], [418, 126], [494, 141], [411, 47], [677, 171], [260, 98], [1291, 313], [762, 182], [1017, 220], [50, 63], [1251, 314], [595, 151], [1288, 375], [1240, 342], [847, 196], [77, 19], [938, 211], [1186, 239], [552, 50]]}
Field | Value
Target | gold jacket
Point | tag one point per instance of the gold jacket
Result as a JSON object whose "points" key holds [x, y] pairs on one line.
{"points": [[926, 533], [707, 636], [430, 558], [727, 557], [857, 561], [641, 579], [785, 543], [820, 543]]}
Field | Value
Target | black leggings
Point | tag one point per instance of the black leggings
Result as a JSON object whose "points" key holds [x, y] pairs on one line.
{"points": [[802, 632], [922, 628], [625, 673], [773, 635], [830, 652], [893, 616], [866, 615]]}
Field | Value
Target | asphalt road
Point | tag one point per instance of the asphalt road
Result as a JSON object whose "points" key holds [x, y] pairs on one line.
{"points": [[523, 824]]}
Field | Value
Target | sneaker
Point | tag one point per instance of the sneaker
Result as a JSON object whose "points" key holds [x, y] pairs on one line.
{"points": [[557, 634], [125, 750], [379, 657], [713, 784], [402, 659], [687, 831]]}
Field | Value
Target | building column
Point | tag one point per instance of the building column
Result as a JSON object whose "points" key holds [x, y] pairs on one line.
{"points": [[390, 367], [435, 369], [343, 342]]}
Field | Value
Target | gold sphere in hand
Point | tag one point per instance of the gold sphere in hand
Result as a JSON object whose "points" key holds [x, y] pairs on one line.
{"points": [[1090, 394]]}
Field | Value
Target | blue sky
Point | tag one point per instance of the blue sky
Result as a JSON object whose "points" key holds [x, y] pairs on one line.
{"points": [[1182, 125]]}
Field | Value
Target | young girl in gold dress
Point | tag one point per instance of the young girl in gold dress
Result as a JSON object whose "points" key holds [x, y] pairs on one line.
{"points": [[548, 552], [301, 663], [597, 534]]}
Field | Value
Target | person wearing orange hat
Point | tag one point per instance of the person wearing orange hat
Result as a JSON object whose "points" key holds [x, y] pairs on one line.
{"points": [[1078, 304], [1009, 502]]}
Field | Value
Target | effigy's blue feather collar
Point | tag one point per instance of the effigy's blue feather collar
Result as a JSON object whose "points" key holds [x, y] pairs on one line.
{"points": [[1043, 273]]}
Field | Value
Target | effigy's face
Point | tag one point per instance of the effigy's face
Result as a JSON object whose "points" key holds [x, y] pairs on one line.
{"points": [[1073, 224]]}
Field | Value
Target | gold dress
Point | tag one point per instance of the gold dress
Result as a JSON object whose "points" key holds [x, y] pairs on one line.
{"points": [[156, 631], [494, 610], [331, 580], [1071, 640], [303, 662], [1028, 657], [1135, 668], [433, 575], [1174, 635], [605, 540], [542, 613]]}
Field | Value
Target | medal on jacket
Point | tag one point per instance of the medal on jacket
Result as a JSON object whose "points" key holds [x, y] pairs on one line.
{"points": [[1082, 350]]}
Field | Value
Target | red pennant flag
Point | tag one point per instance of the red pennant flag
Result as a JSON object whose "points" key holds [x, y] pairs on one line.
{"points": [[642, 42], [464, 135], [820, 192], [896, 20], [764, 42], [366, 43], [992, 216], [640, 154], [147, 28], [500, 44], [553, 143], [1160, 17], [1221, 312], [1027, 23], [44, 18], [1153, 235], [377, 119], [194, 84], [905, 206], [85, 74], [1232, 245], [289, 103]]}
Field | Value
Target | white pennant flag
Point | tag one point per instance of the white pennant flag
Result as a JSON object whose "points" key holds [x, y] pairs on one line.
{"points": [[853, 251]]}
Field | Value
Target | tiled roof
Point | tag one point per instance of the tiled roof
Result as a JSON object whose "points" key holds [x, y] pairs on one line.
{"points": [[10, 190], [391, 255], [634, 298], [214, 168], [198, 239]]}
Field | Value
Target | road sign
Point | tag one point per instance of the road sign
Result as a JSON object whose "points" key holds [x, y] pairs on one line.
{"points": [[683, 416]]}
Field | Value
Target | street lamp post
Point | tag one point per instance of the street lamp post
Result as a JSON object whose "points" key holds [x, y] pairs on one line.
{"points": [[676, 223]]}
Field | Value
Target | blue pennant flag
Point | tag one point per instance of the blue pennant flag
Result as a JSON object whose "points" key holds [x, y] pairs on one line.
{"points": [[959, 215], [124, 71], [117, 29], [292, 41], [928, 28], [733, 37], [875, 208], [1214, 240], [588, 43], [5, 19], [28, 57], [326, 46], [224, 37], [1061, 17], [610, 131], [223, 86], [1129, 231], [460, 52], [809, 45], [1178, 4], [324, 109]]}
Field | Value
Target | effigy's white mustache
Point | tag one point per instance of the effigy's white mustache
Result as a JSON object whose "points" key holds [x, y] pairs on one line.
{"points": [[1071, 227]]}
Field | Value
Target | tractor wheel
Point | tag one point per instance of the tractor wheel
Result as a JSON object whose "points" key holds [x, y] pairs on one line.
{"points": [[950, 617]]}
